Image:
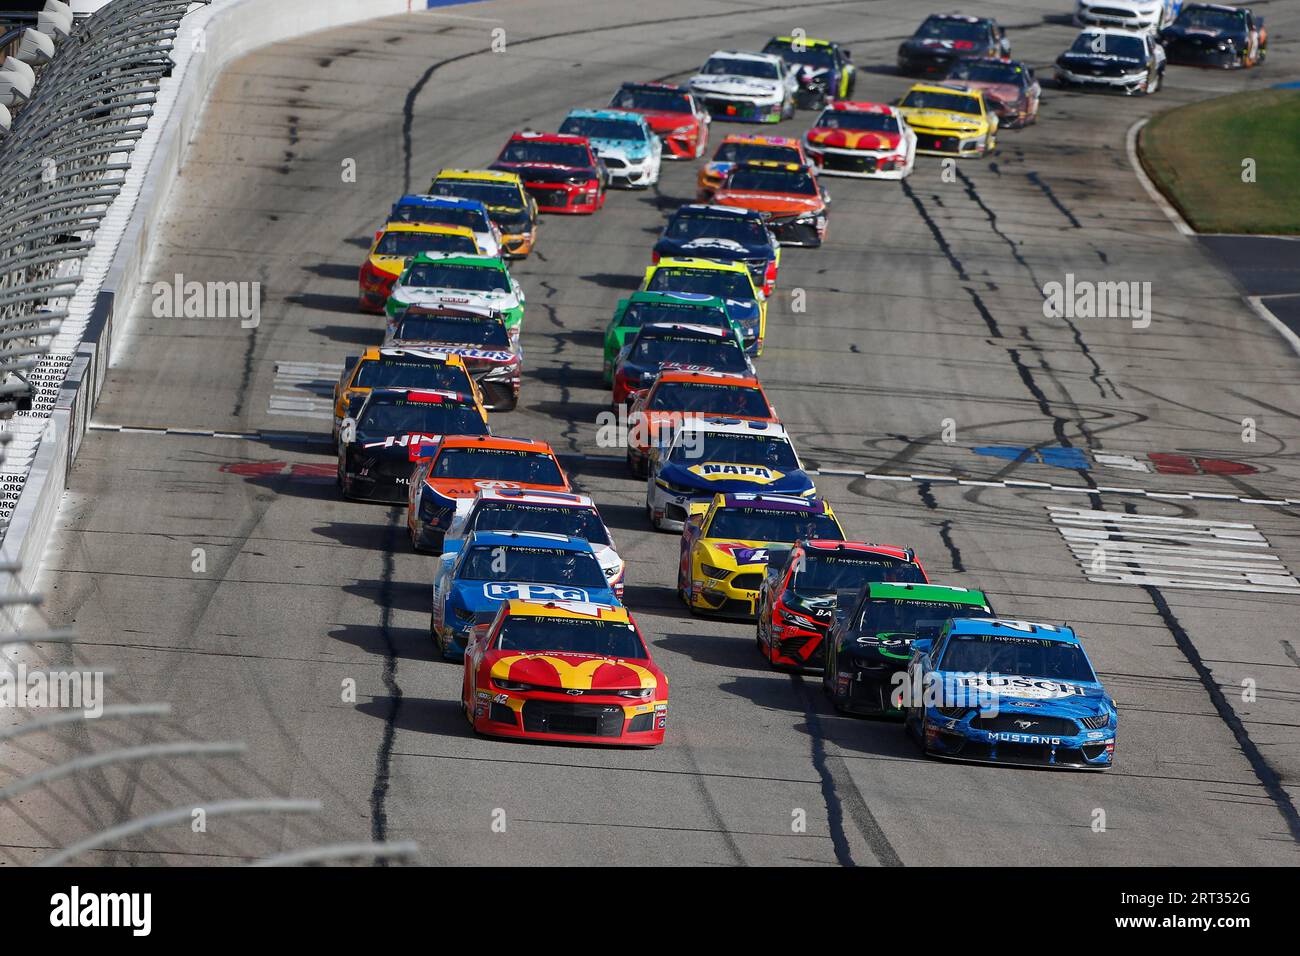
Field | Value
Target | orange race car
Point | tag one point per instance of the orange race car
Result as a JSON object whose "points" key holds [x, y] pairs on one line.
{"points": [[394, 246], [398, 368], [789, 196], [676, 394], [743, 148], [454, 467]]}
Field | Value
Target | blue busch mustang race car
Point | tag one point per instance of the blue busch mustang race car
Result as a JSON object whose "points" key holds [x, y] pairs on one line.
{"points": [[625, 143], [477, 573], [1012, 692]]}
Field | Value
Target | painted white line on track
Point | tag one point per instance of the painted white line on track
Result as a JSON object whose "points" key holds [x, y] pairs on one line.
{"points": [[304, 389]]}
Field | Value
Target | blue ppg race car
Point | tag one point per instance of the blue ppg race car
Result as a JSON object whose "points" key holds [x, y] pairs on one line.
{"points": [[1010, 692], [477, 573]]}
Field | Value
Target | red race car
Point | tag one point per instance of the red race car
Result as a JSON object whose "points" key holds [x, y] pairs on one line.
{"points": [[797, 599], [568, 671], [559, 171], [672, 112]]}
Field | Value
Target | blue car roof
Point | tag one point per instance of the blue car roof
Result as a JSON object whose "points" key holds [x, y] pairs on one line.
{"points": [[608, 114], [420, 199], [1002, 627], [528, 539], [735, 212]]}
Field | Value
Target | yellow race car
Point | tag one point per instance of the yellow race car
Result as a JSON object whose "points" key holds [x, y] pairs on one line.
{"points": [[950, 120], [394, 246], [510, 207], [730, 281], [727, 542], [399, 368]]}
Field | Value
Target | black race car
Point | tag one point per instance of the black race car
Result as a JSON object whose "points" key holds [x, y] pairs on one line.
{"points": [[1207, 34], [945, 38], [824, 69], [722, 232]]}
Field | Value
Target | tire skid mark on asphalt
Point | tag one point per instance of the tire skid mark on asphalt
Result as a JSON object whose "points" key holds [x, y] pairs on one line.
{"points": [[384, 755]]}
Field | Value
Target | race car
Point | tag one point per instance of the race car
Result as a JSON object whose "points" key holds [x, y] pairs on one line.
{"points": [[950, 120], [450, 211], [870, 642], [474, 575], [731, 282], [865, 140], [726, 233], [649, 308], [944, 38], [798, 598], [748, 87], [560, 172], [375, 447], [743, 148], [704, 457], [823, 68], [554, 512], [676, 394], [1010, 692], [395, 245], [1147, 15], [627, 146], [569, 671], [473, 282], [475, 337], [727, 543], [1114, 60], [1009, 87], [511, 209], [788, 196], [1207, 34], [662, 345], [396, 368], [451, 468], [674, 114]]}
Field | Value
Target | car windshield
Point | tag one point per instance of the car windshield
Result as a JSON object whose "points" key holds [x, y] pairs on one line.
{"points": [[490, 194], [499, 464], [709, 398], [937, 100], [723, 283], [647, 313], [558, 154], [756, 152], [594, 128], [739, 448], [1204, 18], [889, 616], [772, 181], [579, 522], [772, 524], [1108, 44], [1018, 656], [400, 416], [820, 57], [732, 66], [448, 275], [474, 219], [458, 330], [858, 120], [935, 28], [827, 573], [661, 101], [698, 226], [988, 71], [412, 373], [679, 351], [511, 562], [413, 243], [570, 635]]}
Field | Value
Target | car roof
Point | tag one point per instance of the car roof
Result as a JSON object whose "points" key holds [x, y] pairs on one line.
{"points": [[653, 85], [527, 539], [768, 164], [679, 298], [462, 259], [953, 87], [495, 175], [432, 356], [537, 136], [709, 376], [1111, 32], [806, 41], [696, 262], [731, 426], [496, 441], [772, 502], [1002, 627], [688, 330], [717, 209], [428, 228], [433, 396], [614, 613], [423, 199], [926, 592], [746, 55], [862, 547], [861, 106], [763, 139], [607, 114], [526, 496]]}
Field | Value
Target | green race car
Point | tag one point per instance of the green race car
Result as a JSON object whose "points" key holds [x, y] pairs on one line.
{"points": [[458, 282], [645, 308]]}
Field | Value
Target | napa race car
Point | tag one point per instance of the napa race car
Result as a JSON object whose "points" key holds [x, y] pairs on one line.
{"points": [[1010, 88], [798, 598], [743, 148], [789, 198], [703, 457], [674, 114], [730, 281], [870, 642], [727, 543], [864, 140], [725, 233], [663, 345], [560, 172], [1208, 34], [394, 246], [477, 338], [950, 120], [396, 368], [460, 282], [511, 209], [677, 394], [1113, 60], [824, 69], [374, 448], [658, 308], [944, 38], [628, 148], [748, 87], [450, 211], [571, 671], [1126, 14], [553, 512], [1011, 692], [475, 574], [451, 467]]}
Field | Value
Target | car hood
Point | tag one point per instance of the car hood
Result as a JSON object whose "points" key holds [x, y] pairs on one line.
{"points": [[726, 84], [739, 553], [486, 596], [931, 45], [1073, 60], [1046, 696], [940, 119], [473, 356], [628, 148], [853, 139], [1002, 92], [567, 671], [666, 122], [722, 476], [547, 172]]}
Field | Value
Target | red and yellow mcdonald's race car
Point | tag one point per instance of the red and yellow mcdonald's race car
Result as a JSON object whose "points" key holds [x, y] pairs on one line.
{"points": [[393, 248], [568, 671]]}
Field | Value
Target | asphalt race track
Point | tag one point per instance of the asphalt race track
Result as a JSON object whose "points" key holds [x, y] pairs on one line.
{"points": [[924, 306]]}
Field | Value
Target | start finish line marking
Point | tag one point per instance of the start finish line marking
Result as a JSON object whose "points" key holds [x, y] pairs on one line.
{"points": [[1172, 552]]}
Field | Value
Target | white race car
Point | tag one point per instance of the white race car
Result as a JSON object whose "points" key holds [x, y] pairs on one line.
{"points": [[1133, 14], [748, 87], [865, 140], [1108, 58]]}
